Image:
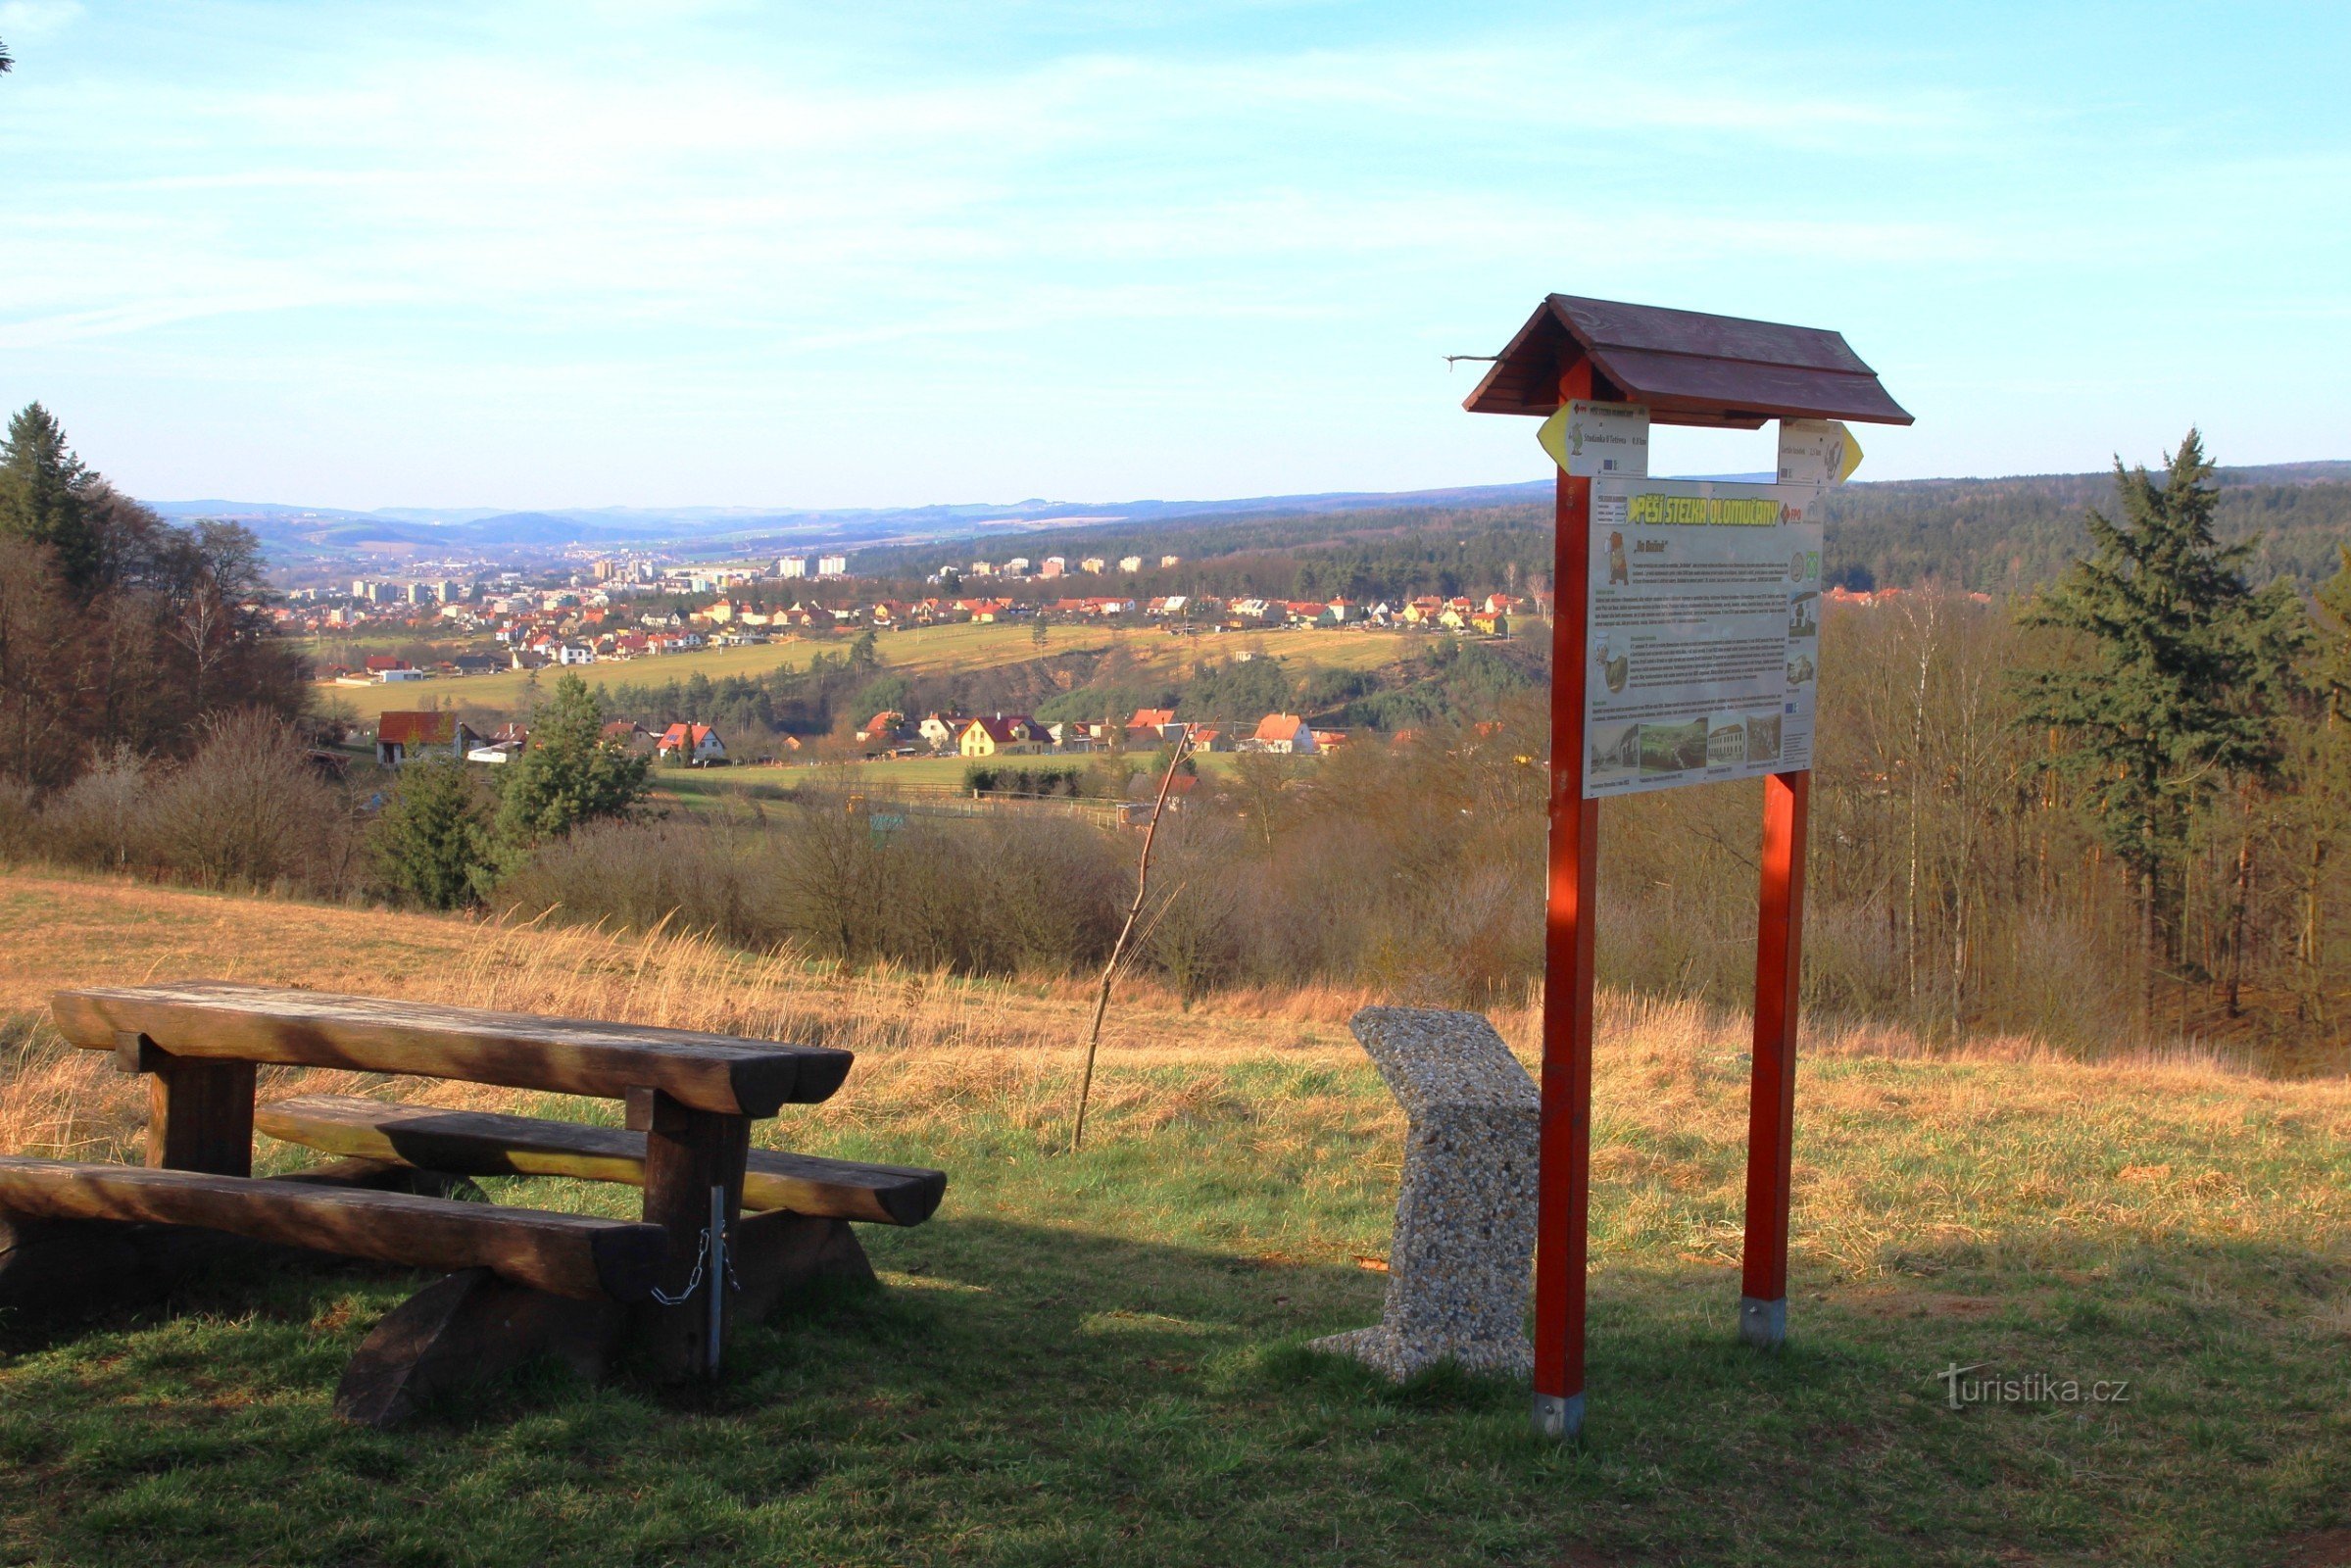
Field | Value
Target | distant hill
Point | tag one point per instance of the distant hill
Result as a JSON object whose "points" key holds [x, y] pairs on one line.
{"points": [[1990, 533]]}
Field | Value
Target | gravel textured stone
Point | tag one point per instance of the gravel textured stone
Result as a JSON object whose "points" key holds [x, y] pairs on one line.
{"points": [[1459, 1267]]}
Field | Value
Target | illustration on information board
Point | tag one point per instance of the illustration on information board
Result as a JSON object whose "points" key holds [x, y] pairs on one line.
{"points": [[1615, 662]]}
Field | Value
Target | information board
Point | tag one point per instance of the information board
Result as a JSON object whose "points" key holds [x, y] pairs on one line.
{"points": [[1703, 632]]}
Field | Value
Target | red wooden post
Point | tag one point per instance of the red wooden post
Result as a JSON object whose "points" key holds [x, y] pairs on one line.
{"points": [[1772, 1108], [1564, 1205]]}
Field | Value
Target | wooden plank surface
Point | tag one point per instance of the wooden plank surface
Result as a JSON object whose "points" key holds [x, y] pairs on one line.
{"points": [[223, 1020], [569, 1255], [472, 1143]]}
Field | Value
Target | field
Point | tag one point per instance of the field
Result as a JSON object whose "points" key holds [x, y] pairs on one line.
{"points": [[1101, 1358], [969, 646]]}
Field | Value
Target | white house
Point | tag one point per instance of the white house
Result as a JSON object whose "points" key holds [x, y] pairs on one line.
{"points": [[1285, 734], [707, 747]]}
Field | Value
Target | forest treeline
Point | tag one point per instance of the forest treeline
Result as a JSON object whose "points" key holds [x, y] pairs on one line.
{"points": [[118, 631], [2001, 536]]}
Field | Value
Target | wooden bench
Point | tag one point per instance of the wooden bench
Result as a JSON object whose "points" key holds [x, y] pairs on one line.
{"points": [[524, 1281], [472, 1143], [577, 1256]]}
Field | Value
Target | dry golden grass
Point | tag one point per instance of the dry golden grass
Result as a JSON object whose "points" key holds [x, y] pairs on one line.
{"points": [[947, 1054]]}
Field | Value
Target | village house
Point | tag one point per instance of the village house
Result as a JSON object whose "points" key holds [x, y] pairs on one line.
{"points": [[629, 736], [1000, 734], [1284, 735], [1151, 724], [943, 731], [703, 749], [402, 737]]}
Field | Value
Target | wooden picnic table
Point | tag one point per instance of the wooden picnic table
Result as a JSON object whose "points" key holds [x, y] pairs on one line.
{"points": [[525, 1281]]}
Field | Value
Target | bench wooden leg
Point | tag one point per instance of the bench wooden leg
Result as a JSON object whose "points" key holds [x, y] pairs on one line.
{"points": [[199, 1112], [687, 1153], [778, 1252], [463, 1330]]}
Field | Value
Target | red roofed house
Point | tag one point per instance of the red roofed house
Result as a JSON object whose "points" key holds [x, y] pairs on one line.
{"points": [[986, 737], [1155, 721], [410, 737], [705, 748], [1286, 734]]}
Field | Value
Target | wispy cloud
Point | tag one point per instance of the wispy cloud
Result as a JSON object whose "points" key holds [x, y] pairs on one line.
{"points": [[573, 204]]}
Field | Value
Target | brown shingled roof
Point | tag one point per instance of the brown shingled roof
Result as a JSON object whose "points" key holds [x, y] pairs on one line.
{"points": [[1688, 367], [437, 727]]}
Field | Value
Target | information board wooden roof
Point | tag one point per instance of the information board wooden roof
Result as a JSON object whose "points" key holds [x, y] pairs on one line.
{"points": [[1688, 367]]}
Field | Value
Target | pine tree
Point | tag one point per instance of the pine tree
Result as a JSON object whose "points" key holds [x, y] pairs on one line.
{"points": [[2176, 694], [46, 496], [568, 775], [432, 840], [2333, 664]]}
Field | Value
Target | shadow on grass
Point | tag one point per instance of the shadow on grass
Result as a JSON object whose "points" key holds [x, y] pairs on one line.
{"points": [[1017, 1393]]}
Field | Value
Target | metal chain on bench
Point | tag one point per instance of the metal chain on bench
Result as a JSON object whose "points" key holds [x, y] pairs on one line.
{"points": [[702, 1256]]}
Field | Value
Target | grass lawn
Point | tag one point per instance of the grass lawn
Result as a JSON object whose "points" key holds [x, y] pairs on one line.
{"points": [[1102, 1358], [969, 646], [701, 789]]}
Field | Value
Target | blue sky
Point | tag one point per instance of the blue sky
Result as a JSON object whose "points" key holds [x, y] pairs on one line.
{"points": [[844, 254]]}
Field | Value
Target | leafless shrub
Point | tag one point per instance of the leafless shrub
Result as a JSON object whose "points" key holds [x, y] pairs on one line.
{"points": [[19, 816], [103, 817], [247, 810]]}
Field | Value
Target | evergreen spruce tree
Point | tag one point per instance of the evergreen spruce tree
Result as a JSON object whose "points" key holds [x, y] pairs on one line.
{"points": [[2175, 695], [568, 775], [432, 841], [2333, 664], [47, 495]]}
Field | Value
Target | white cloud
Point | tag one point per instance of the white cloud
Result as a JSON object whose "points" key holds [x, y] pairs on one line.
{"points": [[23, 19]]}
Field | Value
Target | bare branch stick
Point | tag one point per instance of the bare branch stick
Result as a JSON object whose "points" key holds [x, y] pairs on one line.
{"points": [[1143, 875]]}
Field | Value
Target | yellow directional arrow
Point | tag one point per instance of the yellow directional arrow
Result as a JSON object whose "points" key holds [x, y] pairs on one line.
{"points": [[1560, 436]]}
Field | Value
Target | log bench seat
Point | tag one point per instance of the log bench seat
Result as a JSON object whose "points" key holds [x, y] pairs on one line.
{"points": [[576, 1256], [472, 1143], [727, 1234]]}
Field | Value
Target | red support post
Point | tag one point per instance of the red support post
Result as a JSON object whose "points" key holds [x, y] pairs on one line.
{"points": [[1772, 1108], [1563, 1205]]}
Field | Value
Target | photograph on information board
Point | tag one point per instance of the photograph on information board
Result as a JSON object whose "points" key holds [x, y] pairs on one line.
{"points": [[1704, 629]]}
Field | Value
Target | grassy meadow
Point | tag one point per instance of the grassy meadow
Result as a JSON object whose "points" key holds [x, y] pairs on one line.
{"points": [[1102, 1359], [916, 649]]}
